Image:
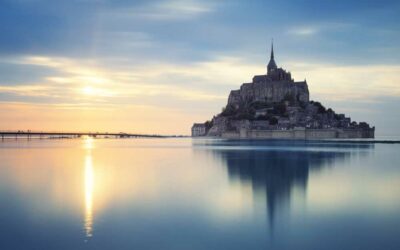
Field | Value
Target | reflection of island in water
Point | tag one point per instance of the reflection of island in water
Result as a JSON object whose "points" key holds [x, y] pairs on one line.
{"points": [[277, 168]]}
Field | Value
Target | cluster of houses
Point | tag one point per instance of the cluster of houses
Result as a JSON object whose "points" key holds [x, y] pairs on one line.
{"points": [[295, 116], [313, 116]]}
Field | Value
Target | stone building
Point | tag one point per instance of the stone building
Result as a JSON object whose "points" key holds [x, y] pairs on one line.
{"points": [[199, 129]]}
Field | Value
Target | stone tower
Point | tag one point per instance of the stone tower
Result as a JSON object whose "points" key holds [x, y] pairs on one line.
{"points": [[271, 65]]}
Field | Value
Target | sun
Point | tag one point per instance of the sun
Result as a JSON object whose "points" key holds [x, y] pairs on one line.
{"points": [[88, 90]]}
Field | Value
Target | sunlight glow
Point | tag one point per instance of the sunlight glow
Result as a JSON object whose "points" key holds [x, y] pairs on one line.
{"points": [[89, 188], [88, 143], [88, 90]]}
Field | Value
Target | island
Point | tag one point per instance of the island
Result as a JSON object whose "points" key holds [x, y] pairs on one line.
{"points": [[274, 106]]}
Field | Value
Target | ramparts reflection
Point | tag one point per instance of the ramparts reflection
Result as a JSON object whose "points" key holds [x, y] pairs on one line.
{"points": [[277, 167]]}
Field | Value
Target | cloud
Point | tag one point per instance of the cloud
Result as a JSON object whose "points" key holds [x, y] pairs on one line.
{"points": [[184, 7], [363, 83], [303, 31], [154, 82], [198, 81], [26, 90], [314, 29], [168, 10], [184, 92]]}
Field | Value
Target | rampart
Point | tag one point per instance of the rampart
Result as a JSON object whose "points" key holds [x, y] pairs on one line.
{"points": [[301, 134]]}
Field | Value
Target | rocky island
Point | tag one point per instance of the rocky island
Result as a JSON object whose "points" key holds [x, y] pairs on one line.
{"points": [[274, 106]]}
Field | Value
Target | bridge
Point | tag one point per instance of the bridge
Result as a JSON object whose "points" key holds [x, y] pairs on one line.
{"points": [[59, 135]]}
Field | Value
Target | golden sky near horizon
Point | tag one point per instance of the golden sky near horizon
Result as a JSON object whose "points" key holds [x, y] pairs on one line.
{"points": [[166, 98]]}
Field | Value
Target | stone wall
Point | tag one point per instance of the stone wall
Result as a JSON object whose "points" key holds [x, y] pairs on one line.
{"points": [[301, 134], [356, 133]]}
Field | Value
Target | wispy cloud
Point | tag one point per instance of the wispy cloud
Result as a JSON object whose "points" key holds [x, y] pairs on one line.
{"points": [[84, 84], [309, 30], [184, 6], [361, 83], [303, 31], [209, 80], [164, 10]]}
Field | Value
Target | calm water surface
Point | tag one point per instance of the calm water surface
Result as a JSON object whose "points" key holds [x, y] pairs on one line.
{"points": [[198, 194]]}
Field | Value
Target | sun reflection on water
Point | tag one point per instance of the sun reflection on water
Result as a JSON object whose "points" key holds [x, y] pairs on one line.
{"points": [[88, 188]]}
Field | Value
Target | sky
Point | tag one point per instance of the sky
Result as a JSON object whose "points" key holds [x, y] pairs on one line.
{"points": [[158, 66]]}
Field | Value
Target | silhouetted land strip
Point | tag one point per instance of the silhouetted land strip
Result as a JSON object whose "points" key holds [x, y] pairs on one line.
{"points": [[43, 134], [60, 135]]}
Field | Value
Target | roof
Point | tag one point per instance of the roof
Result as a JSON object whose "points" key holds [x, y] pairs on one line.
{"points": [[199, 125]]}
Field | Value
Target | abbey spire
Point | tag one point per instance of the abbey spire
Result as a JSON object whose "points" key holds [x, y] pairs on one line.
{"points": [[271, 65], [272, 50]]}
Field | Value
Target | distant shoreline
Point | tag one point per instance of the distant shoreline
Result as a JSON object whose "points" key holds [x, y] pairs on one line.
{"points": [[346, 141]]}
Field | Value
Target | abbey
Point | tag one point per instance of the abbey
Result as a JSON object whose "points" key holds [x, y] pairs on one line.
{"points": [[275, 86], [273, 105]]}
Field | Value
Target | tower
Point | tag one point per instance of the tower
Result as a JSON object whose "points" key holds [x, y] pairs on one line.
{"points": [[271, 65]]}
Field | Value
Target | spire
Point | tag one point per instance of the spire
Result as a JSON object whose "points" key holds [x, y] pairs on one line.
{"points": [[272, 65], [272, 49]]}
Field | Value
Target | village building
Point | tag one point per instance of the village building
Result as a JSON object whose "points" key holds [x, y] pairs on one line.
{"points": [[199, 129]]}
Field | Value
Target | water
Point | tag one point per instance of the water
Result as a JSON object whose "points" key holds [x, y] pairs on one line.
{"points": [[198, 194]]}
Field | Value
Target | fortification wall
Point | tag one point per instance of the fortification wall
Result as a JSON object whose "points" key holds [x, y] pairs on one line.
{"points": [[321, 134], [356, 133], [301, 134], [231, 135]]}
